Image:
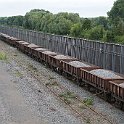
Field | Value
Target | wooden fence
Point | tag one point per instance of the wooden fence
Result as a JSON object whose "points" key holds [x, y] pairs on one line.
{"points": [[106, 55]]}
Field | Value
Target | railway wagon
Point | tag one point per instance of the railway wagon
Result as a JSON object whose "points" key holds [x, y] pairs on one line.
{"points": [[29, 49], [18, 44], [9, 40], [47, 55], [73, 68], [37, 51], [22, 46], [116, 87], [3, 37], [57, 61], [12, 41], [99, 78]]}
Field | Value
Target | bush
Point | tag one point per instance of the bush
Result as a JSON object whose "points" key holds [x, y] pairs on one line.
{"points": [[120, 39]]}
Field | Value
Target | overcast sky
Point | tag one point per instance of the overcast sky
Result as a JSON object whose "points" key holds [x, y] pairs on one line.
{"points": [[85, 8]]}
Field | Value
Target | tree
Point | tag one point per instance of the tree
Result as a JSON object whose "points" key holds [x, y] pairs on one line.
{"points": [[117, 11], [109, 36], [76, 30], [86, 24], [95, 33]]}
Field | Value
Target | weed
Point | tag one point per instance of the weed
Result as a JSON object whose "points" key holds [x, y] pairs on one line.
{"points": [[82, 106], [51, 78], [67, 96], [3, 56], [88, 101], [32, 67], [52, 84], [18, 74], [67, 100], [88, 121]]}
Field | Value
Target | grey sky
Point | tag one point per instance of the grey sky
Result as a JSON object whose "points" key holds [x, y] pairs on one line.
{"points": [[85, 8]]}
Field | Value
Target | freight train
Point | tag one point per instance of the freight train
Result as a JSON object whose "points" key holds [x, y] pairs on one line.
{"points": [[101, 81]]}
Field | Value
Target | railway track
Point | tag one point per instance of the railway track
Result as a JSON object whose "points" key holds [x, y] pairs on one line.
{"points": [[75, 109]]}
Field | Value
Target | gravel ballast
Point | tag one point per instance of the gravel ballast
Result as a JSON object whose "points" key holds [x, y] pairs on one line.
{"points": [[41, 49], [32, 45], [49, 53], [63, 57], [78, 64], [105, 74]]}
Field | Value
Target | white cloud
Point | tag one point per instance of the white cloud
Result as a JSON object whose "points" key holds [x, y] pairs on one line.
{"points": [[86, 8]]}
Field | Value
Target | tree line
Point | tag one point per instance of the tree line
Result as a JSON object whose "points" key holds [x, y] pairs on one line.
{"points": [[106, 29]]}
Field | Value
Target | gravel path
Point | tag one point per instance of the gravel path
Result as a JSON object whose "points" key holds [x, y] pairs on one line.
{"points": [[43, 103], [13, 109]]}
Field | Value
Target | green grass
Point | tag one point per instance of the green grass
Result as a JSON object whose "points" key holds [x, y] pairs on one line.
{"points": [[51, 78], [52, 84], [18, 74], [3, 56], [67, 96], [31, 67], [88, 101]]}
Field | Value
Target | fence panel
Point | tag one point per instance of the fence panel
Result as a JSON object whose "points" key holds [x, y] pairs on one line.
{"points": [[108, 56]]}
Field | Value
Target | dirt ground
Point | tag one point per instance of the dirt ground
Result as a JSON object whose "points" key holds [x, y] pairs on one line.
{"points": [[30, 93]]}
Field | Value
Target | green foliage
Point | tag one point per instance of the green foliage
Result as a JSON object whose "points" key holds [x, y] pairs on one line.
{"points": [[109, 37], [117, 11], [88, 101], [67, 96], [76, 30], [15, 20], [119, 29], [95, 33], [3, 56], [120, 39], [86, 24], [103, 21]]}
